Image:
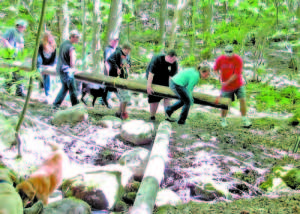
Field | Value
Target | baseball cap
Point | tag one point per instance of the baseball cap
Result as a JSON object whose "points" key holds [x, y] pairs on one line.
{"points": [[74, 33], [21, 22], [229, 49], [114, 37]]}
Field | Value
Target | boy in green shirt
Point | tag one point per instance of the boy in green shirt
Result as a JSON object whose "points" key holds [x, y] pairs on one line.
{"points": [[182, 84]]}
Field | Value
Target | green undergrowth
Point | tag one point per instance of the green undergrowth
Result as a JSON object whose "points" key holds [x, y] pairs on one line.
{"points": [[270, 99], [281, 205]]}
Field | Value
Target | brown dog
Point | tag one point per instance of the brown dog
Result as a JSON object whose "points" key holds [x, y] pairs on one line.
{"points": [[45, 180]]}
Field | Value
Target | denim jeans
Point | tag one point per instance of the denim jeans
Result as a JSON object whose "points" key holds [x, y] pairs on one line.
{"points": [[68, 84], [185, 101], [47, 84]]}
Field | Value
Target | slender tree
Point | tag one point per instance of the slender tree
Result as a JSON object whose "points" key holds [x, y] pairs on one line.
{"points": [[63, 19], [33, 68], [162, 20], [83, 35], [115, 19], [96, 36], [181, 5]]}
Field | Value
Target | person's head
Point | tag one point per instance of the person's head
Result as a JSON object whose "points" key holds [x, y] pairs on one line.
{"points": [[74, 36], [204, 70], [126, 48], [48, 41], [229, 51], [21, 25], [114, 41], [171, 57]]}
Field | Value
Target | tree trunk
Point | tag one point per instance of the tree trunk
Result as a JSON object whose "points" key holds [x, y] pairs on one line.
{"points": [[193, 39], [33, 68], [115, 19], [63, 20], [181, 5], [83, 67], [162, 20], [96, 37], [154, 173], [133, 85]]}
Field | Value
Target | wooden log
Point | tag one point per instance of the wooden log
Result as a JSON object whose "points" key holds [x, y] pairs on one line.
{"points": [[154, 173], [135, 85]]}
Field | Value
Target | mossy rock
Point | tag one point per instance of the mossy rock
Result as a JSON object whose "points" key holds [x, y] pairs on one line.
{"points": [[69, 205], [129, 197], [133, 187], [71, 115], [120, 206], [110, 122], [292, 179], [295, 119]]}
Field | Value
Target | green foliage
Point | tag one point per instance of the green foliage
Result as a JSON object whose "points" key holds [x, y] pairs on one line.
{"points": [[271, 99], [292, 179]]}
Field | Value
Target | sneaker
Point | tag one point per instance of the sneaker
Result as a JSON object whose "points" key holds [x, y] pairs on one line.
{"points": [[152, 118], [180, 122], [246, 123], [224, 123], [124, 116], [117, 114], [168, 116]]}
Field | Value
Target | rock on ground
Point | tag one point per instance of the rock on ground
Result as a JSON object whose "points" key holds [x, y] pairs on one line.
{"points": [[137, 132], [70, 115]]}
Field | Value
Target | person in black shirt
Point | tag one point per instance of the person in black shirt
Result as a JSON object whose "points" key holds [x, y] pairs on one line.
{"points": [[159, 72], [47, 58], [66, 69], [118, 66]]}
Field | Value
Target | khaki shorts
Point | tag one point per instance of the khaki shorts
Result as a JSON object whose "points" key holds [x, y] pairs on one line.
{"points": [[123, 95], [240, 93]]}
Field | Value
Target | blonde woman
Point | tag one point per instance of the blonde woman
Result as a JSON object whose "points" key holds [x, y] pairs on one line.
{"points": [[47, 58], [182, 84]]}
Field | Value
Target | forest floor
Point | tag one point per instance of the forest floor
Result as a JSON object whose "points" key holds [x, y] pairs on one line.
{"points": [[200, 149]]}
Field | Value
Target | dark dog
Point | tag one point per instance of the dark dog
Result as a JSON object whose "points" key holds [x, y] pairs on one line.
{"points": [[95, 93]]}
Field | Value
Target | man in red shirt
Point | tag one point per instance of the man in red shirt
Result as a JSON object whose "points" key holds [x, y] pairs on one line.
{"points": [[230, 67]]}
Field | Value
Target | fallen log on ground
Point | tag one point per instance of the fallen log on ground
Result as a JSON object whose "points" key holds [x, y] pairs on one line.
{"points": [[133, 85], [154, 173]]}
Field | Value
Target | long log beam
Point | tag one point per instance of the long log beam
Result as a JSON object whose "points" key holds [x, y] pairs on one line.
{"points": [[154, 173], [133, 85]]}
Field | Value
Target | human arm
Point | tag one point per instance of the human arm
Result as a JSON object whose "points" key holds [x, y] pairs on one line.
{"points": [[72, 57], [9, 34], [149, 83], [191, 85]]}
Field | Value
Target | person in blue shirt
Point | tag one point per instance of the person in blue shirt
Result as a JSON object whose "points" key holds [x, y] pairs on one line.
{"points": [[182, 84]]}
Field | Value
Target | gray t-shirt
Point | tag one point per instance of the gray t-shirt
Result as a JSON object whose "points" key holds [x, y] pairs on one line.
{"points": [[63, 63], [13, 36]]}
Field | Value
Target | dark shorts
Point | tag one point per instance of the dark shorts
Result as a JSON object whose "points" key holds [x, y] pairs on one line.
{"points": [[240, 93], [154, 99]]}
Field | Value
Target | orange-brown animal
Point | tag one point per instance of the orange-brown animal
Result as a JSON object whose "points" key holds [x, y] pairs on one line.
{"points": [[45, 180]]}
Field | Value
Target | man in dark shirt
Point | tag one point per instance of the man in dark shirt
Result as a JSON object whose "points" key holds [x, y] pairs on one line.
{"points": [[113, 43], [66, 69], [159, 72], [118, 67], [13, 41]]}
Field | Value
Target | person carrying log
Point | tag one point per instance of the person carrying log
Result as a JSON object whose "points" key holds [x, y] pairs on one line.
{"points": [[118, 68], [159, 71], [182, 84], [13, 42], [66, 69], [229, 68], [47, 58]]}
